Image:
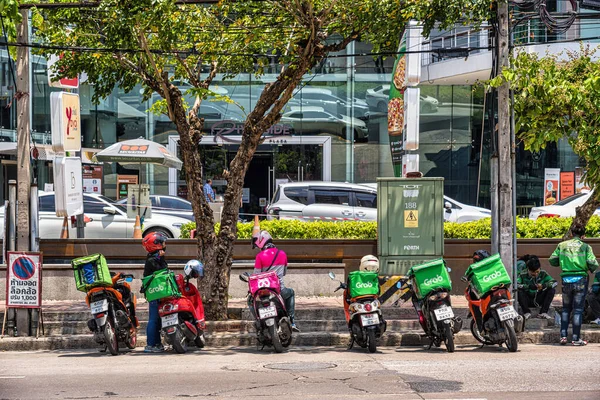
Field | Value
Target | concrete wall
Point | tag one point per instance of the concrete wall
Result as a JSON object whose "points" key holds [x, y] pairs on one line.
{"points": [[306, 279]]}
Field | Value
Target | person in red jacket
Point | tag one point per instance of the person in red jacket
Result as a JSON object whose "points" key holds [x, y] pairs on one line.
{"points": [[272, 259]]}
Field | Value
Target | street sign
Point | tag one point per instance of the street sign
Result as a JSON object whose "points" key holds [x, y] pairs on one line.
{"points": [[24, 280], [63, 83], [65, 118]]}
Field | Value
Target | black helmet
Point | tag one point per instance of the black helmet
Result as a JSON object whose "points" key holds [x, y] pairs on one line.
{"points": [[480, 255]]}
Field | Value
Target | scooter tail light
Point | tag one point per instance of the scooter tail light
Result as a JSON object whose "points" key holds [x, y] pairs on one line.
{"points": [[100, 315], [368, 307]]}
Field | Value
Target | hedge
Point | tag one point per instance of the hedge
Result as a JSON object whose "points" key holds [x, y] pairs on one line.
{"points": [[295, 229]]}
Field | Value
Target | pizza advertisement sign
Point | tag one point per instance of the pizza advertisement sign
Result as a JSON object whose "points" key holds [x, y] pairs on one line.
{"points": [[396, 107], [24, 280]]}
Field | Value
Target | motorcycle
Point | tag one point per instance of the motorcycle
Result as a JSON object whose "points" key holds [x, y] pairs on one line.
{"points": [[272, 322], [494, 319], [113, 309], [182, 318], [435, 313], [363, 315]]}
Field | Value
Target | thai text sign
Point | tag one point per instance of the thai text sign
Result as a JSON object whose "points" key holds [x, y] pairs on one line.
{"points": [[24, 280], [65, 114]]}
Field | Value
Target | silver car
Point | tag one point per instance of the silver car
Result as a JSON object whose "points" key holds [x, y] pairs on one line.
{"points": [[330, 201], [314, 120], [106, 219]]}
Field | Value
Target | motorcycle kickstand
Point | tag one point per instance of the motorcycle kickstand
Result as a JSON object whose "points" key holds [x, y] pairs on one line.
{"points": [[430, 344], [350, 343]]}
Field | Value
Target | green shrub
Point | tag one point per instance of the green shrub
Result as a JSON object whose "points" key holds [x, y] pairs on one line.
{"points": [[295, 229]]}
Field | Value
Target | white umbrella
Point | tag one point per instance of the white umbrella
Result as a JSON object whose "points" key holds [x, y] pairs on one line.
{"points": [[138, 151]]}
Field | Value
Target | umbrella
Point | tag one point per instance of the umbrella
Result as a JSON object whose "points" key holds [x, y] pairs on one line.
{"points": [[138, 151]]}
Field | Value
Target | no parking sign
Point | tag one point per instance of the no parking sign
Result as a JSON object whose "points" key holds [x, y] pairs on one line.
{"points": [[24, 280]]}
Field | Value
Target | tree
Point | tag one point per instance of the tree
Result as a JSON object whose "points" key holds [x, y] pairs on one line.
{"points": [[558, 97], [158, 43]]}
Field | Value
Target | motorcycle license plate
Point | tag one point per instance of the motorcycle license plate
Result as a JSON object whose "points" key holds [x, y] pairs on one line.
{"points": [[267, 312], [169, 320], [507, 312], [443, 313], [99, 306], [369, 319]]}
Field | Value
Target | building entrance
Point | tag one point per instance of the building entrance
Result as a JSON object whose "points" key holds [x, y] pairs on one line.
{"points": [[276, 161]]}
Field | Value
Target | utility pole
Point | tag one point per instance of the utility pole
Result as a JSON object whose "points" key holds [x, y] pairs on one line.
{"points": [[23, 316], [23, 135], [506, 156]]}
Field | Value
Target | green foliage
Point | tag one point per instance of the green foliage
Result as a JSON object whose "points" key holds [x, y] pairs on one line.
{"points": [[481, 229], [557, 97]]}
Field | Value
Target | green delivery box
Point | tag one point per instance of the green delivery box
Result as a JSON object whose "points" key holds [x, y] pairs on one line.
{"points": [[430, 276], [362, 283], [487, 273], [159, 285], [91, 271]]}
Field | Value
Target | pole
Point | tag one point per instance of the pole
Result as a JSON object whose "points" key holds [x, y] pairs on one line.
{"points": [[505, 151], [23, 152]]}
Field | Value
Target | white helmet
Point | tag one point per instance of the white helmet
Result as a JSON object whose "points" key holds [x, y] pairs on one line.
{"points": [[193, 269], [369, 263]]}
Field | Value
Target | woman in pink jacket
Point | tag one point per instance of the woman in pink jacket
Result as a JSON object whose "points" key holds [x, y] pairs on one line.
{"points": [[272, 259]]}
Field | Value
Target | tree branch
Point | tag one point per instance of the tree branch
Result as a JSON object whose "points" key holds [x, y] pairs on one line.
{"points": [[192, 77], [332, 48]]}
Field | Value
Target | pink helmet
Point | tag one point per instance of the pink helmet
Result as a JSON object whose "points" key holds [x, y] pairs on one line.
{"points": [[261, 239]]}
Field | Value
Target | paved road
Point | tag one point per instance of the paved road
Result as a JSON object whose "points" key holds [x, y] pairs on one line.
{"points": [[535, 372]]}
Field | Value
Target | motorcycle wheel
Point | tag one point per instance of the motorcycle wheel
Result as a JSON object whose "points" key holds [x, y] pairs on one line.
{"points": [[275, 339], [511, 337], [132, 339], [372, 341], [110, 338], [179, 342], [200, 341], [477, 335], [449, 336]]}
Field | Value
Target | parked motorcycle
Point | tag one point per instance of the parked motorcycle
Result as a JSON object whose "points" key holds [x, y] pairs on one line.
{"points": [[430, 287], [494, 318], [362, 309], [272, 322], [113, 309], [182, 318]]}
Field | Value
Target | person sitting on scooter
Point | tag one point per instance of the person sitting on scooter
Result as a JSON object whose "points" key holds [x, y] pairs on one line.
{"points": [[272, 259], [478, 256], [155, 244]]}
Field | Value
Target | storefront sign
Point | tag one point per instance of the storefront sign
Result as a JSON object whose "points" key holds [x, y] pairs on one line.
{"points": [[68, 186], [63, 83], [580, 185], [92, 179], [24, 280], [221, 129], [123, 182], [567, 184], [551, 185], [66, 123]]}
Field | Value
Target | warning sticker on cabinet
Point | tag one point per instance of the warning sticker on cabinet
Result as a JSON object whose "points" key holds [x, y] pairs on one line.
{"points": [[411, 219]]}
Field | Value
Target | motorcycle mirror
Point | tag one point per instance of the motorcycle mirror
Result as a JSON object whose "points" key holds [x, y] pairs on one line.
{"points": [[244, 278], [463, 278], [332, 276], [449, 269], [129, 279]]}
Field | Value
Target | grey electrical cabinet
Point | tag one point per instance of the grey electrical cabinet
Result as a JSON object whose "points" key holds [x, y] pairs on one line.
{"points": [[410, 222]]}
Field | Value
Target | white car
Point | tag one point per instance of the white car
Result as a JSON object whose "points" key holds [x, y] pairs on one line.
{"points": [[563, 208], [106, 219], [455, 211], [314, 120], [377, 99]]}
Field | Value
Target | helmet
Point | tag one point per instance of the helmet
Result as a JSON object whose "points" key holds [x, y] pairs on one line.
{"points": [[369, 263], [193, 269], [154, 241], [261, 239], [480, 255]]}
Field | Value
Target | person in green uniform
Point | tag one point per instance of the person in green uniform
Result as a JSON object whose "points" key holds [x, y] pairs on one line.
{"points": [[536, 288], [575, 259]]}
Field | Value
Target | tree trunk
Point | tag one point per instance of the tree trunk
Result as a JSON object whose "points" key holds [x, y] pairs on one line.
{"points": [[583, 214]]}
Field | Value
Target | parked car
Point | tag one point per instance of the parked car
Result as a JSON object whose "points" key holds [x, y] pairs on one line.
{"points": [[319, 97], [168, 205], [455, 211], [323, 200], [563, 208], [377, 99], [107, 219], [314, 120]]}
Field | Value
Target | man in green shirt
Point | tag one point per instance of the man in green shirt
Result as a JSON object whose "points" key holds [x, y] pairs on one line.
{"points": [[575, 259], [536, 288]]}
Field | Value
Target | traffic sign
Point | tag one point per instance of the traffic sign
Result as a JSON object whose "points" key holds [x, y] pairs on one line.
{"points": [[24, 280]]}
